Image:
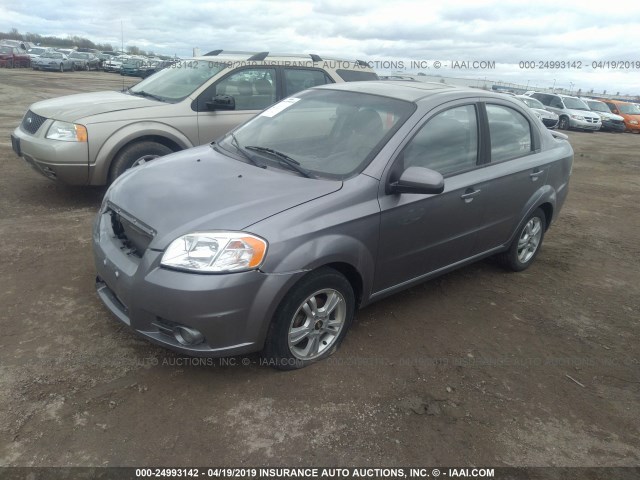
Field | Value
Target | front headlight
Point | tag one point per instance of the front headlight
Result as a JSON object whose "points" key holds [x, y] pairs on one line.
{"points": [[633, 122], [577, 117], [68, 132], [215, 252]]}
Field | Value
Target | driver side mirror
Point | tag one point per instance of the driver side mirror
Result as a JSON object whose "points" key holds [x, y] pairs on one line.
{"points": [[418, 180], [222, 102]]}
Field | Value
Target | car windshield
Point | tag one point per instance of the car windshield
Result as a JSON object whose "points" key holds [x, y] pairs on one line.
{"points": [[598, 106], [36, 51], [326, 133], [532, 103], [179, 81], [629, 108], [5, 49], [574, 103], [51, 55]]}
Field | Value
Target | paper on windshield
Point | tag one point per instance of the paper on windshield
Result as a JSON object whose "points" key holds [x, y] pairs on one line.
{"points": [[277, 108]]}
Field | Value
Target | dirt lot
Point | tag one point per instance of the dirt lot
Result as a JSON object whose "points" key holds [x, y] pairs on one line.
{"points": [[470, 369]]}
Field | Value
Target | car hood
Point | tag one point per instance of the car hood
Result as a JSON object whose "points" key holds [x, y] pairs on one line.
{"points": [[545, 113], [200, 189], [72, 108]]}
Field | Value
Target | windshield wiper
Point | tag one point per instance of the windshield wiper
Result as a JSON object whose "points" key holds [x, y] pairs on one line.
{"points": [[142, 93], [235, 143], [284, 159]]}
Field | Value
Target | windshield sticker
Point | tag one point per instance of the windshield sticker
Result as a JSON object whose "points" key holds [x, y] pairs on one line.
{"points": [[277, 108]]}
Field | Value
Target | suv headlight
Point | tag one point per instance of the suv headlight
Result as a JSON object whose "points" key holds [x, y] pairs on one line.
{"points": [[577, 117], [68, 132], [215, 252]]}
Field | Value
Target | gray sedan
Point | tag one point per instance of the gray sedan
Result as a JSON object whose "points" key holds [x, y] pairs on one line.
{"points": [[52, 60], [271, 238]]}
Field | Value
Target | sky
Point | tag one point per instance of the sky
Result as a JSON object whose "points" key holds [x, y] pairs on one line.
{"points": [[389, 34]]}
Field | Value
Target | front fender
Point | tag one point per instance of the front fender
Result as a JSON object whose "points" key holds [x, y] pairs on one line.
{"points": [[99, 170]]}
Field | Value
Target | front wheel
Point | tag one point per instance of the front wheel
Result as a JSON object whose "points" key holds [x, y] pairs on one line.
{"points": [[526, 245], [311, 321], [136, 154], [563, 124]]}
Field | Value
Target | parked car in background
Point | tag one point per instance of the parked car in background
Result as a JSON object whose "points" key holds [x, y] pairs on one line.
{"points": [[157, 67], [273, 237], [66, 51], [630, 112], [549, 119], [93, 138], [19, 44], [103, 57], [132, 66], [53, 60], [114, 64], [84, 61], [573, 112], [610, 121], [12, 57], [35, 52]]}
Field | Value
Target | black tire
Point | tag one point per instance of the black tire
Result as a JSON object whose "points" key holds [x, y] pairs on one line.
{"points": [[563, 123], [519, 257], [277, 351], [132, 152]]}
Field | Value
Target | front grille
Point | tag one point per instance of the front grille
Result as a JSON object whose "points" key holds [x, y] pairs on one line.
{"points": [[591, 120], [618, 122], [134, 235], [32, 122]]}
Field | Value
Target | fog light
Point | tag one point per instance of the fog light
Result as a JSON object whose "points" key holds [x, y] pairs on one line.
{"points": [[188, 336]]}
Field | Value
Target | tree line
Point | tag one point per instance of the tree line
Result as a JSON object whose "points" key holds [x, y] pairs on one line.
{"points": [[70, 41]]}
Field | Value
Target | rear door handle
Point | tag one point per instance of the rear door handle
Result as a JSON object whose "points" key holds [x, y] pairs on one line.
{"points": [[468, 195], [534, 175]]}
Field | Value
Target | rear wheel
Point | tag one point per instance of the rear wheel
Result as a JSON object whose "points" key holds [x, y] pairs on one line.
{"points": [[311, 321], [134, 154], [526, 245]]}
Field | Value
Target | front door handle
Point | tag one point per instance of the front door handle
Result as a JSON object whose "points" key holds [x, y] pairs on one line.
{"points": [[468, 194]]}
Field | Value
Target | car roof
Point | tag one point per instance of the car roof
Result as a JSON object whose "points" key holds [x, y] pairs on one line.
{"points": [[407, 90], [269, 57]]}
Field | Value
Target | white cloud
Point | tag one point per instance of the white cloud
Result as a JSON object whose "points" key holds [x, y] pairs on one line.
{"points": [[503, 31]]}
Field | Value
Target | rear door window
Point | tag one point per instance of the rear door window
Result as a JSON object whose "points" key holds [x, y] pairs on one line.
{"points": [[510, 133]]}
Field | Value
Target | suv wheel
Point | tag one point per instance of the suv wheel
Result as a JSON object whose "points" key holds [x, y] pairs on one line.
{"points": [[311, 321], [526, 245], [130, 154]]}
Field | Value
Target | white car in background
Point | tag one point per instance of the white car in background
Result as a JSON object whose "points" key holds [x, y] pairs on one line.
{"points": [[549, 119]]}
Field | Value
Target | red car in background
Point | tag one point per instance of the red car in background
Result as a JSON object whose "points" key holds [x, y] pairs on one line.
{"points": [[11, 57]]}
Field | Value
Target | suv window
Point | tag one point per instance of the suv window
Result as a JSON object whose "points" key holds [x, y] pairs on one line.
{"points": [[252, 88], [296, 79], [510, 133], [556, 102], [447, 143]]}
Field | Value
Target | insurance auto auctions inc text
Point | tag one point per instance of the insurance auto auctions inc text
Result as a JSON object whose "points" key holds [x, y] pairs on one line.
{"points": [[283, 473]]}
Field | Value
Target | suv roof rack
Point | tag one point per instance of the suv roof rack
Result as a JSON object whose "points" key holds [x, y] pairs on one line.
{"points": [[259, 56]]}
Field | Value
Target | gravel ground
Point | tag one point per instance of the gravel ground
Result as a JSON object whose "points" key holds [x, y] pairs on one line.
{"points": [[478, 367]]}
